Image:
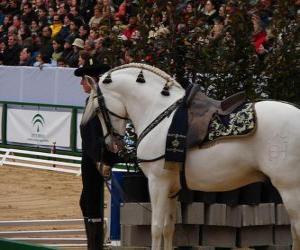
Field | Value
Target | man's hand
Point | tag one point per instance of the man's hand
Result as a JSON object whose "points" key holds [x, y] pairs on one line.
{"points": [[104, 170]]}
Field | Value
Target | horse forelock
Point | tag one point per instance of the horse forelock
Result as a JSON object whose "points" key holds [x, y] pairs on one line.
{"points": [[170, 81]]}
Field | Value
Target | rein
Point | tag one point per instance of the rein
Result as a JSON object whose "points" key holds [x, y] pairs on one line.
{"points": [[122, 194]]}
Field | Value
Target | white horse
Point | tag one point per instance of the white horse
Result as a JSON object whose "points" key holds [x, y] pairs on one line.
{"points": [[273, 151]]}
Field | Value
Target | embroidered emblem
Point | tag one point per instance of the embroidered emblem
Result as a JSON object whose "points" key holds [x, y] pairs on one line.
{"points": [[175, 143]]}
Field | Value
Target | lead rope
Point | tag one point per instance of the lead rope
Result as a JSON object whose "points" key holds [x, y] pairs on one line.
{"points": [[122, 194], [110, 177]]}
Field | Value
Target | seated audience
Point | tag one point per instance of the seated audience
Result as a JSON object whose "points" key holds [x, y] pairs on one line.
{"points": [[26, 57]]}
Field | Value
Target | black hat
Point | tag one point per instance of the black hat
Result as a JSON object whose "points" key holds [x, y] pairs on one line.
{"points": [[77, 22], [69, 39], [94, 70]]}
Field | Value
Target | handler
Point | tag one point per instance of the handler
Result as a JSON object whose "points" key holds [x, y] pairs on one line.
{"points": [[92, 196]]}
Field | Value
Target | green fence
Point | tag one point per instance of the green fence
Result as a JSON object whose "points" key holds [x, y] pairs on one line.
{"points": [[13, 245]]}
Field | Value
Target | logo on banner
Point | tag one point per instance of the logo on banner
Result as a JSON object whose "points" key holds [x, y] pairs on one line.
{"points": [[38, 123]]}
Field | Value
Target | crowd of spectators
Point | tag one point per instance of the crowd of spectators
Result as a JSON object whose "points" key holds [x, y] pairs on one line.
{"points": [[72, 33]]}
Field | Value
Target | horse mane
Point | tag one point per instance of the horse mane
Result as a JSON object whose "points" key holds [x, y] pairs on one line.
{"points": [[170, 81]]}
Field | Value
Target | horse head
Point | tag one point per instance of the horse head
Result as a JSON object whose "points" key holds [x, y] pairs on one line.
{"points": [[142, 89], [111, 112]]}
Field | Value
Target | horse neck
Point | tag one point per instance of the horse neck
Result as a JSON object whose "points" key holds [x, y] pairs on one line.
{"points": [[143, 101], [144, 104]]}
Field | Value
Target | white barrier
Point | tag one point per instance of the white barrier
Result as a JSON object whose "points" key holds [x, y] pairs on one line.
{"points": [[40, 232], [74, 237], [58, 163], [41, 222], [1, 110], [49, 85]]}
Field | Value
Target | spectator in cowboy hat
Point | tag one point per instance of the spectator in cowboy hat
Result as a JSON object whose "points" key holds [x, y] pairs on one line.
{"points": [[78, 43], [92, 177]]}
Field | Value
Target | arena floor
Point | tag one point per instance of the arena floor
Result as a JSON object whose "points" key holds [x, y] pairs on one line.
{"points": [[37, 194]]}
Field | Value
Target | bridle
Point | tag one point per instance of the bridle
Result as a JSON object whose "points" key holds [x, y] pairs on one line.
{"points": [[116, 138]]}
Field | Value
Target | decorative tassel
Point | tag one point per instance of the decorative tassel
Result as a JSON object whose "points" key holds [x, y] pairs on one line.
{"points": [[107, 79], [165, 91], [140, 77]]}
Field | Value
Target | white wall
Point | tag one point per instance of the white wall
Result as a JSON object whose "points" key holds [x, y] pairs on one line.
{"points": [[1, 122], [49, 85]]}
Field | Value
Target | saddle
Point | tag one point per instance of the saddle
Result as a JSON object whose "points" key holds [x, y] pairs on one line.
{"points": [[201, 109]]}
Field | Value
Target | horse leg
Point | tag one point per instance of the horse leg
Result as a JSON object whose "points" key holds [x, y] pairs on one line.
{"points": [[161, 205], [169, 226], [291, 201]]}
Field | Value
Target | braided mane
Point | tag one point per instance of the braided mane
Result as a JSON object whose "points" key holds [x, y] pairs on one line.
{"points": [[170, 80]]}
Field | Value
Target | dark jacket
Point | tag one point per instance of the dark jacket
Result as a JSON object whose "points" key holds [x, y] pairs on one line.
{"points": [[28, 18], [29, 62], [11, 55], [67, 54], [46, 46], [92, 143], [73, 59]]}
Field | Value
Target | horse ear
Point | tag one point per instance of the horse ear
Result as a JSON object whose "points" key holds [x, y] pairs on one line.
{"points": [[91, 81]]}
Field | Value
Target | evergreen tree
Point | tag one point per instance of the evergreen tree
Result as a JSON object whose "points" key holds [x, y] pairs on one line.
{"points": [[228, 63]]}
